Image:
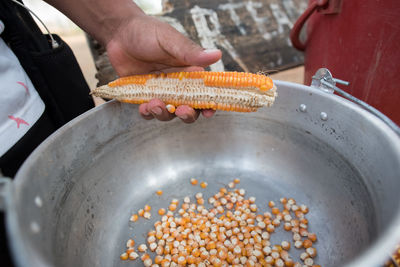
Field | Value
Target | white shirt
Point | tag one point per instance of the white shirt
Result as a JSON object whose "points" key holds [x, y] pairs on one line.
{"points": [[20, 104]]}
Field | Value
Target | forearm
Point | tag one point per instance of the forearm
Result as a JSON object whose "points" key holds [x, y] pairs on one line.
{"points": [[99, 18]]}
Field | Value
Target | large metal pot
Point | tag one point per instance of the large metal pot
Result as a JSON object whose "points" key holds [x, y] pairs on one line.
{"points": [[71, 201]]}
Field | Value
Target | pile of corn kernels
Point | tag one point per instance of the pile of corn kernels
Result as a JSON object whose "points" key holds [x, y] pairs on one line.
{"points": [[232, 232]]}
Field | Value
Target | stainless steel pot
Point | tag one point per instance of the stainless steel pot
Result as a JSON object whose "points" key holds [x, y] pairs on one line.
{"points": [[71, 201]]}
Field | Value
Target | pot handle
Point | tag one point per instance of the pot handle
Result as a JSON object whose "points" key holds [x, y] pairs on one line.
{"points": [[323, 80], [5, 191], [295, 32]]}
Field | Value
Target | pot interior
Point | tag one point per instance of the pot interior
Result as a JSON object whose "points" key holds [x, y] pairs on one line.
{"points": [[94, 173]]}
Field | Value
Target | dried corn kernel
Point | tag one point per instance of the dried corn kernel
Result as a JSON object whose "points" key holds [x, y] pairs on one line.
{"points": [[170, 108], [203, 184], [141, 212], [229, 233], [161, 211], [193, 181], [142, 247], [130, 243], [133, 256], [134, 218], [124, 256], [147, 215], [159, 192]]}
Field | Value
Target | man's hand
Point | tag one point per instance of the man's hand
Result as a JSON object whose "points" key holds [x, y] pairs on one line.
{"points": [[144, 45], [138, 44]]}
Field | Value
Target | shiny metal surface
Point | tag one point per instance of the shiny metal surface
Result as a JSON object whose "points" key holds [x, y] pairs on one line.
{"points": [[72, 199]]}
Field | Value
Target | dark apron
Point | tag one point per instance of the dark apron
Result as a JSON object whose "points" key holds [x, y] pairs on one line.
{"points": [[55, 74]]}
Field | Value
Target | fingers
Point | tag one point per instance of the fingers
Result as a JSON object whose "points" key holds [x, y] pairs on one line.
{"points": [[144, 113], [208, 113], [155, 109], [187, 114]]}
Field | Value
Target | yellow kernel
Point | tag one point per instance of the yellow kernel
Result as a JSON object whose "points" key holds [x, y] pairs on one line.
{"points": [[312, 237], [158, 259], [124, 256], [203, 184], [193, 181], [275, 210], [145, 257], [161, 211], [172, 207], [236, 181], [170, 108], [141, 212], [159, 192], [307, 243], [147, 208], [134, 218], [129, 250]]}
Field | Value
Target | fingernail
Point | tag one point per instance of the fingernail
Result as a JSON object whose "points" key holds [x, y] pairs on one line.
{"points": [[211, 50], [184, 117], [156, 110]]}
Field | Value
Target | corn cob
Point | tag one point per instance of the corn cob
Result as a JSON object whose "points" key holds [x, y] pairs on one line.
{"points": [[229, 91]]}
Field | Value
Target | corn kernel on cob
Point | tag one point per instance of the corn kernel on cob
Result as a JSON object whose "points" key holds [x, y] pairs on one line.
{"points": [[229, 91]]}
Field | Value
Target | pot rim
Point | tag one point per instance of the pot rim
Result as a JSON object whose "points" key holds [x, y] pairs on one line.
{"points": [[374, 255]]}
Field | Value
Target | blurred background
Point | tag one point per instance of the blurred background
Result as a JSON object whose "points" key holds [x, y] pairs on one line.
{"points": [[76, 38]]}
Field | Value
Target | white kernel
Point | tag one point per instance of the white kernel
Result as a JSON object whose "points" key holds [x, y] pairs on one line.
{"points": [[142, 247], [237, 250], [147, 215], [148, 262], [298, 244], [153, 246], [265, 235], [267, 250], [279, 263], [309, 261], [130, 243], [133, 255], [304, 256], [296, 237]]}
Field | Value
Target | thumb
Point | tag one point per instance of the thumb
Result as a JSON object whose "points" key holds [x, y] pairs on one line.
{"points": [[203, 58], [185, 51]]}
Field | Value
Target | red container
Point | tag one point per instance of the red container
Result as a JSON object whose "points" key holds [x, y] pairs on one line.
{"points": [[359, 42]]}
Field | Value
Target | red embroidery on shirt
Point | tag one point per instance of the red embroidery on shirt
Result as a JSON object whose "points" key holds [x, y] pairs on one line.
{"points": [[25, 86], [19, 121]]}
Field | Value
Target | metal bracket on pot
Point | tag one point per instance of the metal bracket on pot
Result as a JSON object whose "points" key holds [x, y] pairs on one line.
{"points": [[323, 80]]}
